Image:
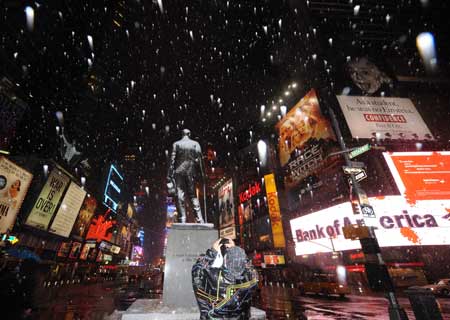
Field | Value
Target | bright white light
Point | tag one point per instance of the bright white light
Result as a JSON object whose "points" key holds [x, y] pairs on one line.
{"points": [[356, 9], [160, 5], [286, 93], [60, 117], [91, 42], [45, 167], [263, 109], [427, 49], [83, 181], [294, 85], [341, 274], [283, 110], [29, 12], [262, 153]]}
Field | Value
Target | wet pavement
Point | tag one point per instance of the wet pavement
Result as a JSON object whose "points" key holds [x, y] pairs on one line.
{"points": [[97, 301], [285, 303]]}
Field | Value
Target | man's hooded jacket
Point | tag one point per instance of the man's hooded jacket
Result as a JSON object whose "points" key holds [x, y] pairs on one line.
{"points": [[223, 285]]}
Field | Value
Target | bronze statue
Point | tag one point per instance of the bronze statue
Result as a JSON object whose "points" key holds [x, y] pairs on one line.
{"points": [[186, 163]]}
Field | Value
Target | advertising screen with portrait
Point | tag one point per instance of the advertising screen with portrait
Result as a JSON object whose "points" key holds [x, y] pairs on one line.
{"points": [[14, 183]]}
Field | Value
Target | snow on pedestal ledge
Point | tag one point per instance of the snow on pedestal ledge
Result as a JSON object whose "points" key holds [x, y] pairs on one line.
{"points": [[153, 309]]}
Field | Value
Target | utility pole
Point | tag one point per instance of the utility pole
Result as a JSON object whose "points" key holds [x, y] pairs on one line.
{"points": [[369, 245]]}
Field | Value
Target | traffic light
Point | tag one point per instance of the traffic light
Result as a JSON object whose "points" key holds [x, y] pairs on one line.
{"points": [[354, 232]]}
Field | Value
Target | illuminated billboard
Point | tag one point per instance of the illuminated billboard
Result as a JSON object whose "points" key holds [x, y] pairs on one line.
{"points": [[113, 189], [398, 223], [305, 139], [14, 183], [226, 205], [68, 210], [274, 211], [274, 259], [48, 200], [137, 254], [87, 248], [102, 227], [383, 117], [84, 217], [421, 175]]}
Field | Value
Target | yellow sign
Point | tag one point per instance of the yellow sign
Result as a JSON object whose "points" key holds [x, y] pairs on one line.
{"points": [[274, 211]]}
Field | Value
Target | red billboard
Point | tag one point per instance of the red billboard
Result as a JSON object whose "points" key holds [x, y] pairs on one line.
{"points": [[102, 227], [421, 175]]}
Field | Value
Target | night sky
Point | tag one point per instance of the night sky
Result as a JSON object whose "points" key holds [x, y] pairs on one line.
{"points": [[128, 75]]}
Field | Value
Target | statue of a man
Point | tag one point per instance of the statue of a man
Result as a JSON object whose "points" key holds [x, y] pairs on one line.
{"points": [[186, 163]]}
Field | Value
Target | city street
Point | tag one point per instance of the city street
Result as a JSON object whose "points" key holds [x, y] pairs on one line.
{"points": [[96, 301], [283, 303]]}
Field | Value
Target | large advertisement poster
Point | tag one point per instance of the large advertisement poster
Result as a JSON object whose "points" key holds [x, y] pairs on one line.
{"points": [[398, 223], [68, 211], [421, 175], [305, 139], [84, 217], [383, 117], [14, 183], [87, 248], [226, 205], [274, 211], [48, 200]]}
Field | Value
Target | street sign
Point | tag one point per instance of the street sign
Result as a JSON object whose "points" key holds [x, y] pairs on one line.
{"points": [[359, 176], [360, 150], [367, 211]]}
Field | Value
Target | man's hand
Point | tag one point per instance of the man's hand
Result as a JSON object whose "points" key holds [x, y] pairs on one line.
{"points": [[216, 245]]}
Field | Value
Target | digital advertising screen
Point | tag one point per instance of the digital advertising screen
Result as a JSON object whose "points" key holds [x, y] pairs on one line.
{"points": [[421, 175], [398, 223]]}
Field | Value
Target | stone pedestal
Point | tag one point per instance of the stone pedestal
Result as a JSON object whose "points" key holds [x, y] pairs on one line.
{"points": [[185, 242], [154, 309]]}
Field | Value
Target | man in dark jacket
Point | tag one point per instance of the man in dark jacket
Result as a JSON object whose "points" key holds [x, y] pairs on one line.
{"points": [[224, 280]]}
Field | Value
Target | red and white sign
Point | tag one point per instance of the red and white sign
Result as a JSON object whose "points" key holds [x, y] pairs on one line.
{"points": [[421, 175], [398, 223], [383, 117]]}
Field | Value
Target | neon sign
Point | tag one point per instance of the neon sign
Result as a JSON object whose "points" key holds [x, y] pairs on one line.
{"points": [[112, 194]]}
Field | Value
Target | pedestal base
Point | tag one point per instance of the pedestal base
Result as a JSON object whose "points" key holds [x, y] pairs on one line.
{"points": [[185, 242], [154, 309]]}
